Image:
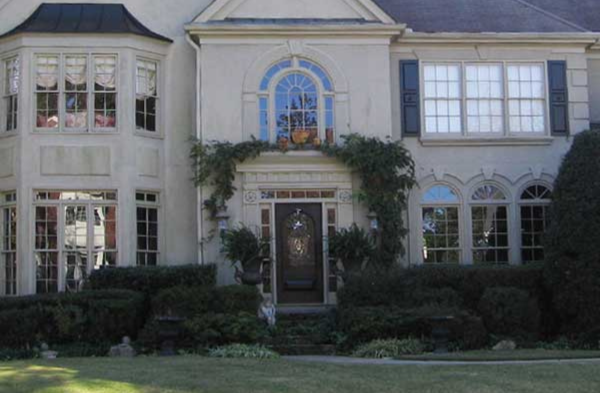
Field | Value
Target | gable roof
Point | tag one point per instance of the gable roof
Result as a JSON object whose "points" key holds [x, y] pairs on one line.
{"points": [[84, 18], [487, 16]]}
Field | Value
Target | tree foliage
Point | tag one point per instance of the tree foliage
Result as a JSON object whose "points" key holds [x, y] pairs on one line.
{"points": [[573, 240]]}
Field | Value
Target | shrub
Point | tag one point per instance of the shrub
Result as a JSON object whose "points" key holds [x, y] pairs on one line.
{"points": [[242, 245], [353, 246], [572, 248], [98, 316], [509, 312], [150, 280], [243, 351], [181, 301], [234, 299], [394, 348], [220, 329]]}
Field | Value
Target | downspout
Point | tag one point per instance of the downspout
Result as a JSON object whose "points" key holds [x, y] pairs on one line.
{"points": [[199, 138]]}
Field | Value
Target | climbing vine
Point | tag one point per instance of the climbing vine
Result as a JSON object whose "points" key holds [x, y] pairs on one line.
{"points": [[386, 170]]}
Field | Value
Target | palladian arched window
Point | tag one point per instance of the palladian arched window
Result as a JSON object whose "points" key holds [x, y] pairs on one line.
{"points": [[296, 103], [441, 230], [534, 204], [489, 225]]}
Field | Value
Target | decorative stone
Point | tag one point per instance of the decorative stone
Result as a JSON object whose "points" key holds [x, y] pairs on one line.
{"points": [[46, 353], [123, 350], [505, 345]]}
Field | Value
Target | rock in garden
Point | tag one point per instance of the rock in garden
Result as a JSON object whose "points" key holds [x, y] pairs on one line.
{"points": [[505, 345], [123, 350]]}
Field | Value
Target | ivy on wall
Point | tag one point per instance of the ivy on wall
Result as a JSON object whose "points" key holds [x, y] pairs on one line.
{"points": [[386, 169]]}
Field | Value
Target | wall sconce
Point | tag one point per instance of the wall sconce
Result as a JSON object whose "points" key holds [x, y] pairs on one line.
{"points": [[373, 221], [223, 220]]}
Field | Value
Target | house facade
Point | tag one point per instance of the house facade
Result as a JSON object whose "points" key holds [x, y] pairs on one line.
{"points": [[100, 102]]}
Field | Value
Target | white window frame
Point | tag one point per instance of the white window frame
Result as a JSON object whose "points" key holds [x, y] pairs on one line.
{"points": [[146, 204], [8, 201], [91, 92], [442, 204], [4, 85], [158, 115], [506, 203], [464, 135], [546, 202], [60, 204], [322, 94]]}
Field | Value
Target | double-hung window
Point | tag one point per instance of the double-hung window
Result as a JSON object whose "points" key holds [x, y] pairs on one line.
{"points": [[8, 244], [12, 80], [75, 232], [76, 92], [484, 99], [146, 104], [147, 214]]}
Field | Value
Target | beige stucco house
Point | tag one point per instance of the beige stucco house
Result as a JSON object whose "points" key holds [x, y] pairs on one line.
{"points": [[99, 102]]}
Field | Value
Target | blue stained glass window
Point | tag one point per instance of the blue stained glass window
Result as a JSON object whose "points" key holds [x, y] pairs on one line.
{"points": [[264, 85]]}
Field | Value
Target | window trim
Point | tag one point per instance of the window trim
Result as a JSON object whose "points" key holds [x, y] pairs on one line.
{"points": [[4, 204], [444, 204], [62, 129], [158, 134], [520, 202], [506, 134], [322, 93], [159, 217], [4, 132], [60, 204]]}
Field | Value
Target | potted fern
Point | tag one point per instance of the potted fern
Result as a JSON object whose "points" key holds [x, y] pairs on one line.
{"points": [[354, 247], [243, 248]]}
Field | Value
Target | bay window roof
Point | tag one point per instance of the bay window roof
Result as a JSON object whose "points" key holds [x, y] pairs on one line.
{"points": [[84, 19]]}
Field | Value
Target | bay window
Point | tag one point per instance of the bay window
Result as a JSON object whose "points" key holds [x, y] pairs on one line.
{"points": [[75, 232], [8, 244], [146, 103], [12, 80], [497, 99], [66, 86], [147, 214]]}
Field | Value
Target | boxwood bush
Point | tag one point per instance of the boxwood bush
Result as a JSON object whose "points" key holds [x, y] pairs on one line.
{"points": [[510, 312], [572, 247], [87, 317]]}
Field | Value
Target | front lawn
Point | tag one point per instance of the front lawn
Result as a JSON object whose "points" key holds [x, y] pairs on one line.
{"points": [[197, 374], [519, 354]]}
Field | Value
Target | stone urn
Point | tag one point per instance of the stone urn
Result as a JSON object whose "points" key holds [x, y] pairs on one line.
{"points": [[440, 332], [169, 330], [253, 277]]}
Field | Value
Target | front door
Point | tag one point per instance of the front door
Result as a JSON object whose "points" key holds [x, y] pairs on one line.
{"points": [[299, 241]]}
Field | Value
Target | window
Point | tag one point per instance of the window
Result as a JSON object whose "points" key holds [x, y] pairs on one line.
{"points": [[65, 105], [489, 220], [75, 232], [442, 98], [301, 96], [146, 95], [8, 244], [147, 228], [499, 99], [485, 98], [526, 98], [12, 80], [441, 229], [535, 219]]}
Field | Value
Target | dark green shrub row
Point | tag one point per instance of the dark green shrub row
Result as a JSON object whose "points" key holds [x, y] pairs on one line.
{"points": [[88, 317], [150, 280], [510, 312], [449, 285]]}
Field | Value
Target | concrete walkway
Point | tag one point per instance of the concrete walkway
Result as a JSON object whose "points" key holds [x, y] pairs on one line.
{"points": [[358, 361]]}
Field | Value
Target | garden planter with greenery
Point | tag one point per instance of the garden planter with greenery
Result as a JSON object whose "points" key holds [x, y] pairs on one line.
{"points": [[243, 248]]}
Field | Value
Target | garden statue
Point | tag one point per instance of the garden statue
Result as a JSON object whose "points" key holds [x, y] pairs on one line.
{"points": [[123, 350], [267, 311]]}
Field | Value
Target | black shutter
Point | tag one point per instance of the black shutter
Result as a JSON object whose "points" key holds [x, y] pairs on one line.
{"points": [[409, 98], [559, 97]]}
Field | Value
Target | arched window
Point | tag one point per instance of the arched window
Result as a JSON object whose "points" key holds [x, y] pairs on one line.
{"points": [[534, 204], [489, 225], [441, 228], [296, 103]]}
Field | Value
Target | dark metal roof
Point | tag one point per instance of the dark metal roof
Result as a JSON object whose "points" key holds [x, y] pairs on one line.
{"points": [[483, 16], [84, 18]]}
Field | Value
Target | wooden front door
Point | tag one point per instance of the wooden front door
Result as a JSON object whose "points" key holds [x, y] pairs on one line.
{"points": [[299, 240]]}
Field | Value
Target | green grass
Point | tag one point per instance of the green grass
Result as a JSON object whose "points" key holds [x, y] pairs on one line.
{"points": [[197, 374], [519, 354]]}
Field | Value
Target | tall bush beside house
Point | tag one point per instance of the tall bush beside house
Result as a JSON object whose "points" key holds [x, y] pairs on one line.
{"points": [[572, 269]]}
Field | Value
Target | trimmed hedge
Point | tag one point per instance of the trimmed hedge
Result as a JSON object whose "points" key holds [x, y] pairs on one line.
{"points": [[86, 317], [572, 247], [510, 312], [152, 279]]}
